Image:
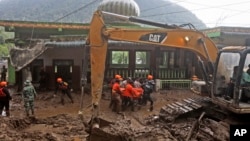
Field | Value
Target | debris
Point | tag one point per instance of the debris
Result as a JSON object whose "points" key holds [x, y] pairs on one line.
{"points": [[194, 126]]}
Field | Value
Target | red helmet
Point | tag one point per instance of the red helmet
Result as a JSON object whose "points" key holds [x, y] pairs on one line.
{"points": [[150, 77], [3, 84], [59, 80]]}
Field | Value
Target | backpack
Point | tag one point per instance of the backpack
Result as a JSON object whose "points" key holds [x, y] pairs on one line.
{"points": [[2, 94], [148, 88]]}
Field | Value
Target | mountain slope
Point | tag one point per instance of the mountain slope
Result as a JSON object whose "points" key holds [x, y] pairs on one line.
{"points": [[80, 11]]}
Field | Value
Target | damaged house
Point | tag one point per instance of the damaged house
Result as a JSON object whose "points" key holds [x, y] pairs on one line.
{"points": [[47, 46], [60, 50]]}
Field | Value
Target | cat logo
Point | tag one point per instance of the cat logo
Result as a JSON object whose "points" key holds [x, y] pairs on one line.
{"points": [[154, 37]]}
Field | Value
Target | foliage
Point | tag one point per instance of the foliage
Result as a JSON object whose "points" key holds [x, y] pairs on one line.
{"points": [[141, 57], [120, 57], [4, 50]]}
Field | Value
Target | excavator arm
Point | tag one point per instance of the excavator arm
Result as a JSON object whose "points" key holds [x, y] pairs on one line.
{"points": [[173, 37]]}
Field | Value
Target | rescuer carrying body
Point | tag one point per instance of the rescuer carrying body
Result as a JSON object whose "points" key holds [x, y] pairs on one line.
{"points": [[64, 87], [127, 95], [116, 96], [112, 82], [5, 98], [148, 88]]}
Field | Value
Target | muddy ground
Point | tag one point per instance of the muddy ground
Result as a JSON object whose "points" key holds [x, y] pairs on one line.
{"points": [[56, 122]]}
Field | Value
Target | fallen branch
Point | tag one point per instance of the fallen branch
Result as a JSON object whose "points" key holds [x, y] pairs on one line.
{"points": [[195, 124]]}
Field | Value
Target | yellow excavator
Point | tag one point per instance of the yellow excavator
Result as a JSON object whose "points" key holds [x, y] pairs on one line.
{"points": [[219, 63]]}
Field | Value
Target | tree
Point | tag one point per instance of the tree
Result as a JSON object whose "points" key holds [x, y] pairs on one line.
{"points": [[4, 50]]}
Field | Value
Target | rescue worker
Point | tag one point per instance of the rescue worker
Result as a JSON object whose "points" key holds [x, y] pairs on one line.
{"points": [[116, 96], [230, 88], [117, 76], [29, 94], [64, 87], [5, 98], [127, 95], [137, 92], [137, 83], [3, 73], [148, 88]]}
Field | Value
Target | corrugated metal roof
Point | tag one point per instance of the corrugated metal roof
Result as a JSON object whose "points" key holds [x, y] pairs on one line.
{"points": [[65, 44], [82, 43]]}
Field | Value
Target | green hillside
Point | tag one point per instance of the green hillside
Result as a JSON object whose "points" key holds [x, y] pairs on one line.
{"points": [[80, 11]]}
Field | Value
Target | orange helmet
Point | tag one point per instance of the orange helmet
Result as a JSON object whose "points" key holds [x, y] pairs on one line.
{"points": [[150, 77], [117, 76], [59, 80], [194, 77], [3, 84]]}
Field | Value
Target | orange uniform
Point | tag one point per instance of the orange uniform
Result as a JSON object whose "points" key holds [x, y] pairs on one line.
{"points": [[116, 88], [128, 92], [137, 92], [116, 97]]}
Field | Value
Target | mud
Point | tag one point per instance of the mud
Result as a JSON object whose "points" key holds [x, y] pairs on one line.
{"points": [[56, 122]]}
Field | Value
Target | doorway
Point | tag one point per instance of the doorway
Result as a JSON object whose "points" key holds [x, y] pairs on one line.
{"points": [[63, 69]]}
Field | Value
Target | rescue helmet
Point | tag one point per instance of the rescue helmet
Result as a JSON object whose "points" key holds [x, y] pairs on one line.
{"points": [[59, 80], [194, 78], [150, 77], [3, 84], [117, 76], [27, 82]]}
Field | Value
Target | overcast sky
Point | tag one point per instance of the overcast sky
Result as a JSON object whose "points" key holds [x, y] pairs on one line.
{"points": [[219, 12]]}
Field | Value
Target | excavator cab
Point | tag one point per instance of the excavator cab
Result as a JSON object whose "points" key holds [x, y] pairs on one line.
{"points": [[231, 81]]}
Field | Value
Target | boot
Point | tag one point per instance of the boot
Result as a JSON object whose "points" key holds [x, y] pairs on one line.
{"points": [[62, 101], [123, 107], [27, 113], [111, 104], [32, 112], [7, 113], [151, 108], [132, 108]]}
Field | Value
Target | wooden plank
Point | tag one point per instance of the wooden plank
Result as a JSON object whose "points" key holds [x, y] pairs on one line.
{"points": [[168, 110], [194, 105], [179, 103], [176, 105], [180, 108], [184, 106], [169, 105], [194, 102], [189, 108]]}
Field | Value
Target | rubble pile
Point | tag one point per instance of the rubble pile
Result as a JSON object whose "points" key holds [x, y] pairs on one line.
{"points": [[56, 122], [60, 127], [191, 128], [126, 130]]}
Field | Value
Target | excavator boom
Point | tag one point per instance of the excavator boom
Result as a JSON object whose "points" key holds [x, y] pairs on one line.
{"points": [[166, 36]]}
